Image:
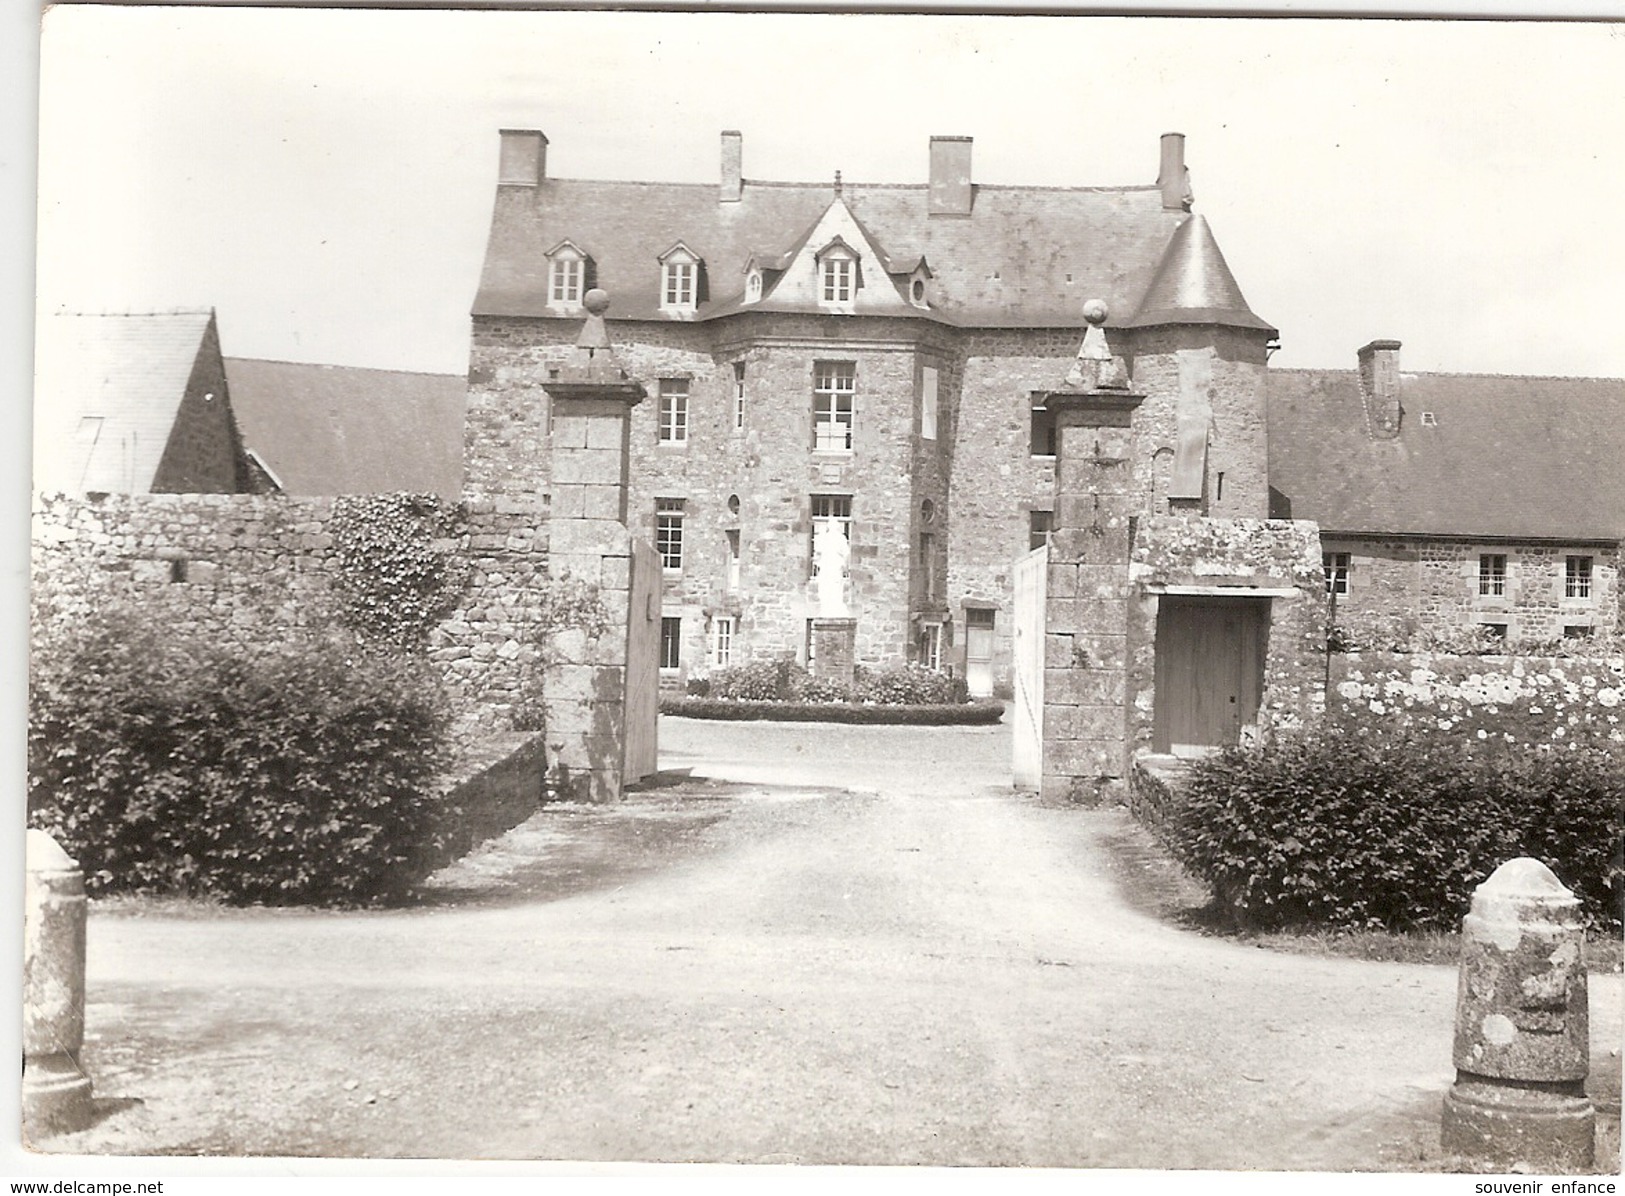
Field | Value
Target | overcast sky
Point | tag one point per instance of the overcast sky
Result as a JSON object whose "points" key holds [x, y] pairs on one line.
{"points": [[324, 178]]}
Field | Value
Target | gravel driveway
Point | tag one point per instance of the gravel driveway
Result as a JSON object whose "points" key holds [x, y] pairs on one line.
{"points": [[803, 944]]}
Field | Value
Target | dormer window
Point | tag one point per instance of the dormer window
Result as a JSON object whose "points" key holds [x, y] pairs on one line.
{"points": [[917, 279], [838, 273], [566, 277], [679, 279], [753, 287]]}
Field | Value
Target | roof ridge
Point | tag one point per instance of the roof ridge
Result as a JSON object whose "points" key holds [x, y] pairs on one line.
{"points": [[826, 185], [108, 315], [329, 365], [1332, 369]]}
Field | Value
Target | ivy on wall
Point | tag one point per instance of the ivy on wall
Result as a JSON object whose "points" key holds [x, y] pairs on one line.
{"points": [[397, 574]]}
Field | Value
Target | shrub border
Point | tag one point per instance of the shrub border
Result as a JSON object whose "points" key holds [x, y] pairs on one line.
{"points": [[730, 709]]}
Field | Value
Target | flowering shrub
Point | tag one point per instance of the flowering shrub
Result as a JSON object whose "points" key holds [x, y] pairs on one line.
{"points": [[1339, 828], [787, 681], [1548, 703], [758, 681], [910, 685]]}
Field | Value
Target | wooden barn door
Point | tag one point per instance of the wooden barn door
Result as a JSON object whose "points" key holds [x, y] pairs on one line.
{"points": [[641, 716], [1027, 733], [1209, 671]]}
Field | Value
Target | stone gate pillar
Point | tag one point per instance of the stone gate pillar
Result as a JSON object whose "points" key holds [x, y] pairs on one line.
{"points": [[1085, 754], [585, 682]]}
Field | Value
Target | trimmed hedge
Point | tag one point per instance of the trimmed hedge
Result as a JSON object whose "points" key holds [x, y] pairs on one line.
{"points": [[963, 714], [305, 772], [1396, 831], [783, 680]]}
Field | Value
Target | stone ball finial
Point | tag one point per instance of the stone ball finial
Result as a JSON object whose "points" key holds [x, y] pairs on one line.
{"points": [[596, 301], [1095, 311]]}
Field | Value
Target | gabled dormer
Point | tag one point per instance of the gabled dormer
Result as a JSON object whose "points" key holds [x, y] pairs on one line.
{"points": [[682, 276], [840, 274], [761, 272], [914, 280], [569, 276]]}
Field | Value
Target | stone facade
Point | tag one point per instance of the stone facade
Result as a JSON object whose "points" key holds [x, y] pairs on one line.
{"points": [[1435, 582]]}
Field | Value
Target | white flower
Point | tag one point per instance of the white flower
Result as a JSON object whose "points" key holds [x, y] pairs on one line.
{"points": [[1558, 732], [1377, 707], [1349, 690], [1483, 734], [1608, 696]]}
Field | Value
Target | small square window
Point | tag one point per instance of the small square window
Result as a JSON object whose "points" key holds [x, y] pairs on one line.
{"points": [[1577, 631], [1577, 577], [1040, 527], [1337, 565], [673, 411], [1492, 576]]}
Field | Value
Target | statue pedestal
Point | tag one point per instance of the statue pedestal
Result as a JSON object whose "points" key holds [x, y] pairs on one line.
{"points": [[834, 650]]}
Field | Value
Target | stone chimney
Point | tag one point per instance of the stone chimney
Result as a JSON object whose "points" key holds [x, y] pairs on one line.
{"points": [[524, 158], [950, 176], [733, 166], [1173, 177], [1379, 387]]}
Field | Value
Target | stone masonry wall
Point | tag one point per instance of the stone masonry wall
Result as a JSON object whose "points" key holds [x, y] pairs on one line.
{"points": [[228, 566], [1435, 583]]}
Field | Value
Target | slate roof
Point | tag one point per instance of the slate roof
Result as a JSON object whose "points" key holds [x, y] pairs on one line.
{"points": [[107, 391], [327, 429], [1507, 456], [1025, 256], [1193, 284]]}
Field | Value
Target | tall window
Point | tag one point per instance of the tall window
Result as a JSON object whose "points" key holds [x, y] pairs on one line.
{"points": [[928, 402], [722, 641], [673, 411], [928, 564], [566, 276], [834, 393], [1336, 565], [669, 533], [839, 273], [671, 642], [733, 560], [739, 394], [1577, 577], [931, 645], [1041, 433], [679, 279], [824, 508], [1492, 575], [1040, 524]]}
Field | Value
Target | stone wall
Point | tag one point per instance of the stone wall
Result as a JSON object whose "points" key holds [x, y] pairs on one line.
{"points": [[1434, 582], [227, 567], [1234, 556]]}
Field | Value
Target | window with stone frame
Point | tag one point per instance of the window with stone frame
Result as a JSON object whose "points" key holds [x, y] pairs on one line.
{"points": [[1492, 575], [733, 560], [1040, 527], [1337, 566], [673, 413], [835, 385], [928, 402], [930, 645], [669, 533], [722, 641], [1042, 437], [671, 642], [928, 565], [827, 508], [680, 269], [739, 396], [1577, 577]]}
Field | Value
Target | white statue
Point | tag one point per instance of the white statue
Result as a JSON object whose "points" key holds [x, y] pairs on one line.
{"points": [[830, 554]]}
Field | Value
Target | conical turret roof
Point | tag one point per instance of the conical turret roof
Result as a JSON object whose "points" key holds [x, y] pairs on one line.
{"points": [[1193, 284]]}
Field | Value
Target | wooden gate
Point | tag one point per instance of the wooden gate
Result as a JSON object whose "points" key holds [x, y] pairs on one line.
{"points": [[1027, 735], [641, 715], [1209, 671]]}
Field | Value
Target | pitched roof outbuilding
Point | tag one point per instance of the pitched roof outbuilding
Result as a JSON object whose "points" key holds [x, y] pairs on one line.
{"points": [[1500, 456], [327, 429]]}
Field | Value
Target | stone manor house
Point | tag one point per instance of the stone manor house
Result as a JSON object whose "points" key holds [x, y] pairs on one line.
{"points": [[878, 358]]}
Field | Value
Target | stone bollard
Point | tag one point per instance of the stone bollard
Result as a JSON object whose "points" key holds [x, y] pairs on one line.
{"points": [[1523, 1043], [56, 1091]]}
